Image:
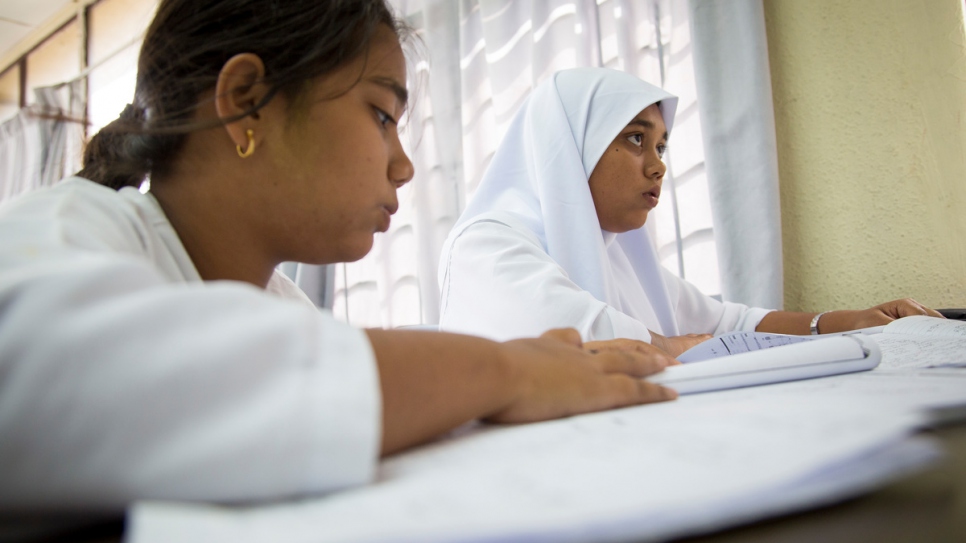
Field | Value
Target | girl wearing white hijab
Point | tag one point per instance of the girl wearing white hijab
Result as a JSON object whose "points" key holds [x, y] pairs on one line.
{"points": [[553, 236]]}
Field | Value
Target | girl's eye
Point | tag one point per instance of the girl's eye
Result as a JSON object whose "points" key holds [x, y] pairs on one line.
{"points": [[661, 149], [384, 118], [636, 139]]}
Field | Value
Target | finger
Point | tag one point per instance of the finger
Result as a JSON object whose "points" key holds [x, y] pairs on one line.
{"points": [[597, 346], [651, 350], [904, 308], [929, 312], [632, 363], [570, 336], [630, 391], [619, 344]]}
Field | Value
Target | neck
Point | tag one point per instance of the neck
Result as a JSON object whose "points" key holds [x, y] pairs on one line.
{"points": [[220, 239]]}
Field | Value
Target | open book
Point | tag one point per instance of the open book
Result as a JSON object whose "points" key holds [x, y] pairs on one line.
{"points": [[773, 363], [740, 359]]}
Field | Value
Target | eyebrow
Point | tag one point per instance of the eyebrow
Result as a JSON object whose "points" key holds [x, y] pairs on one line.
{"points": [[401, 93], [646, 124]]}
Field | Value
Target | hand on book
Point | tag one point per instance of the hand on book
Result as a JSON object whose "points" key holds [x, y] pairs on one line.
{"points": [[841, 321]]}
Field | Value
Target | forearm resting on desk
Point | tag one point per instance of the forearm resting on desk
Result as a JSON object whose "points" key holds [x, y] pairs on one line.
{"points": [[789, 322]]}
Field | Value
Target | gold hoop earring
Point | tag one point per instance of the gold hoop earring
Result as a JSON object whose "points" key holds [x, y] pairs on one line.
{"points": [[251, 145]]}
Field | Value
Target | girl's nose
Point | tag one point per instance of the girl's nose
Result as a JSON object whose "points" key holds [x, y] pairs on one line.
{"points": [[401, 169]]}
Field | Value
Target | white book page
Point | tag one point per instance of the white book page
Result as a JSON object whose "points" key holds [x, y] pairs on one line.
{"points": [[828, 356], [737, 343], [905, 352], [927, 326]]}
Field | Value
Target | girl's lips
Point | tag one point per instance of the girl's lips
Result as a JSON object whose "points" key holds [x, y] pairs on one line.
{"points": [[652, 197], [386, 219]]}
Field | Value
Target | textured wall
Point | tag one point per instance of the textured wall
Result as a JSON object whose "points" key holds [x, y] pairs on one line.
{"points": [[870, 109]]}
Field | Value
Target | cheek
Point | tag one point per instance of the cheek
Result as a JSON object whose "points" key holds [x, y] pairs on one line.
{"points": [[610, 184], [296, 159]]}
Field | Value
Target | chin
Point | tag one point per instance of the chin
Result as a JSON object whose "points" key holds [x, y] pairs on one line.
{"points": [[629, 227], [638, 224], [356, 252]]}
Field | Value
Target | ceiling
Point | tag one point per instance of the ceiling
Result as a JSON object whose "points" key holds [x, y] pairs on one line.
{"points": [[18, 18]]}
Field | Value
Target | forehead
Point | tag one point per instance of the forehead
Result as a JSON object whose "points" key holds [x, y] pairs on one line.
{"points": [[649, 119], [385, 56], [383, 63], [651, 113]]}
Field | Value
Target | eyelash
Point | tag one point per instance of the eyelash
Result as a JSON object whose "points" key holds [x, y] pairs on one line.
{"points": [[661, 149]]}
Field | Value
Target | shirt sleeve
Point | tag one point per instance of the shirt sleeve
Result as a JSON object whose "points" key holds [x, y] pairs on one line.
{"points": [[118, 385], [500, 283], [698, 313]]}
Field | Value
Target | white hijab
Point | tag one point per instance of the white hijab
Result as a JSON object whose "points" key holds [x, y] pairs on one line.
{"points": [[540, 174]]}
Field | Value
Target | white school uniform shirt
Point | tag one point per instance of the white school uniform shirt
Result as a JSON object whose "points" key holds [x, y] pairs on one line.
{"points": [[123, 376], [528, 253]]}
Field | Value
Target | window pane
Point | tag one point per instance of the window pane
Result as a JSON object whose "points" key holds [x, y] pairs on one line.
{"points": [[114, 25], [9, 92], [56, 60], [111, 87]]}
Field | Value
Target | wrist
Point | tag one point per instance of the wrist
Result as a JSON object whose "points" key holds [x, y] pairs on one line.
{"points": [[511, 375]]}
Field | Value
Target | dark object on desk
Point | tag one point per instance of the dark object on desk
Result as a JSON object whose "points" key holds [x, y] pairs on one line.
{"points": [[958, 314]]}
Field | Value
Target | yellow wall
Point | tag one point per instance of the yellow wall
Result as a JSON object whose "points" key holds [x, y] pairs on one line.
{"points": [[870, 111]]}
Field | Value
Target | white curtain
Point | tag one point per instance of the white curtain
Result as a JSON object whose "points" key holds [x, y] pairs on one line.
{"points": [[21, 150], [478, 61], [42, 144], [734, 88]]}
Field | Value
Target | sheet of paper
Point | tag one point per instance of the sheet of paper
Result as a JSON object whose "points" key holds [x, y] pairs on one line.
{"points": [[641, 473], [931, 326], [903, 352]]}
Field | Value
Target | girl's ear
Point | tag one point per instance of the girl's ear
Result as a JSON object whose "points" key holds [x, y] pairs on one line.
{"points": [[239, 88]]}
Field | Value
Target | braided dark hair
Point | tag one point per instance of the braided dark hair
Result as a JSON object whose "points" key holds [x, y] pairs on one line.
{"points": [[184, 50]]}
